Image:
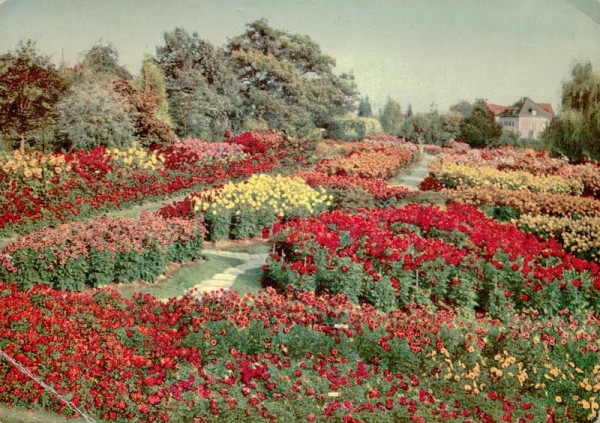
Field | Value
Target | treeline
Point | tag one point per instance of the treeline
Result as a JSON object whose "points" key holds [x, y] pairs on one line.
{"points": [[468, 121], [263, 78]]}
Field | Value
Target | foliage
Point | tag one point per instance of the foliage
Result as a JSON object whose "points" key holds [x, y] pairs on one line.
{"points": [[391, 117], [103, 59], [479, 129], [353, 127], [287, 81], [364, 107], [153, 80], [30, 87], [202, 89], [92, 114], [143, 106], [576, 130]]}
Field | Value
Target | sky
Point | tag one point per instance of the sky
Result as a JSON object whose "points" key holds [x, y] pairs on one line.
{"points": [[421, 52]]}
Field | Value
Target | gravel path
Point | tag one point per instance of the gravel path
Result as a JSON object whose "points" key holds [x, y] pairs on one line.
{"points": [[417, 173]]}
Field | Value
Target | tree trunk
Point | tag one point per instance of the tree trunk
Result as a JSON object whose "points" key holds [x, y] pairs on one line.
{"points": [[22, 146]]}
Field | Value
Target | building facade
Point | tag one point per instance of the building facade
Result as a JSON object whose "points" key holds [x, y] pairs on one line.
{"points": [[525, 118]]}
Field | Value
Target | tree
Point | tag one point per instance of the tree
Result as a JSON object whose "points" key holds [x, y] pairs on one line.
{"points": [[285, 74], [575, 132], [30, 87], [153, 80], [364, 107], [463, 107], [104, 59], [202, 89], [409, 111], [391, 117], [93, 114], [480, 129]]}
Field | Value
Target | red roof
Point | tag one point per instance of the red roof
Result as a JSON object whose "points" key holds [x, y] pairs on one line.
{"points": [[496, 109], [547, 107]]}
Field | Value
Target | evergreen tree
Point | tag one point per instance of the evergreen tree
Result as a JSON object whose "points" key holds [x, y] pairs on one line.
{"points": [[364, 107]]}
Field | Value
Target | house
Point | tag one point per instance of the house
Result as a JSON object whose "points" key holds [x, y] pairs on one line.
{"points": [[525, 117]]}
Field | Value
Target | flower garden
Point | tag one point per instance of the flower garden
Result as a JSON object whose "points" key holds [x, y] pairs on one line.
{"points": [[374, 307]]}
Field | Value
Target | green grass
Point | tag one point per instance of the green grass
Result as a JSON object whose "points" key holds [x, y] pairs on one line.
{"points": [[248, 282], [185, 278], [22, 415]]}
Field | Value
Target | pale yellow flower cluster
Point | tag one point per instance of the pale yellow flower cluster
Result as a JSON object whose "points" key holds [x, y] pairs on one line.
{"points": [[280, 194], [137, 157], [577, 235], [453, 175], [33, 165]]}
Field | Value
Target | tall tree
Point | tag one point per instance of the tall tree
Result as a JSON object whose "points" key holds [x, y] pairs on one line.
{"points": [[30, 86], [104, 59], [364, 107], [93, 114], [463, 107], [480, 129], [391, 117], [575, 132], [202, 88], [285, 74]]}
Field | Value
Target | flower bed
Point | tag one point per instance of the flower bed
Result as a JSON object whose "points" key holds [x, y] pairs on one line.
{"points": [[454, 175], [525, 201], [354, 192], [241, 210], [579, 236], [37, 191], [78, 255], [382, 163], [395, 257], [212, 151], [293, 357]]}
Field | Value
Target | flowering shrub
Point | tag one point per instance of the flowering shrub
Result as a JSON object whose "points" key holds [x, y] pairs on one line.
{"points": [[454, 175], [240, 210], [395, 257], [212, 151], [79, 255], [293, 357], [383, 163]]}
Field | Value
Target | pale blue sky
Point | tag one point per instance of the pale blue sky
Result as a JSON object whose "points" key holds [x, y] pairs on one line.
{"points": [[418, 51]]}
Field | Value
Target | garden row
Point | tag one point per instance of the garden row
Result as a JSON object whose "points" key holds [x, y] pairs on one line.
{"points": [[293, 357], [543, 195], [457, 257]]}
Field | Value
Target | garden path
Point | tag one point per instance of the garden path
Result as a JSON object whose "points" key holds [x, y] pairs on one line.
{"points": [[227, 278], [419, 172]]}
